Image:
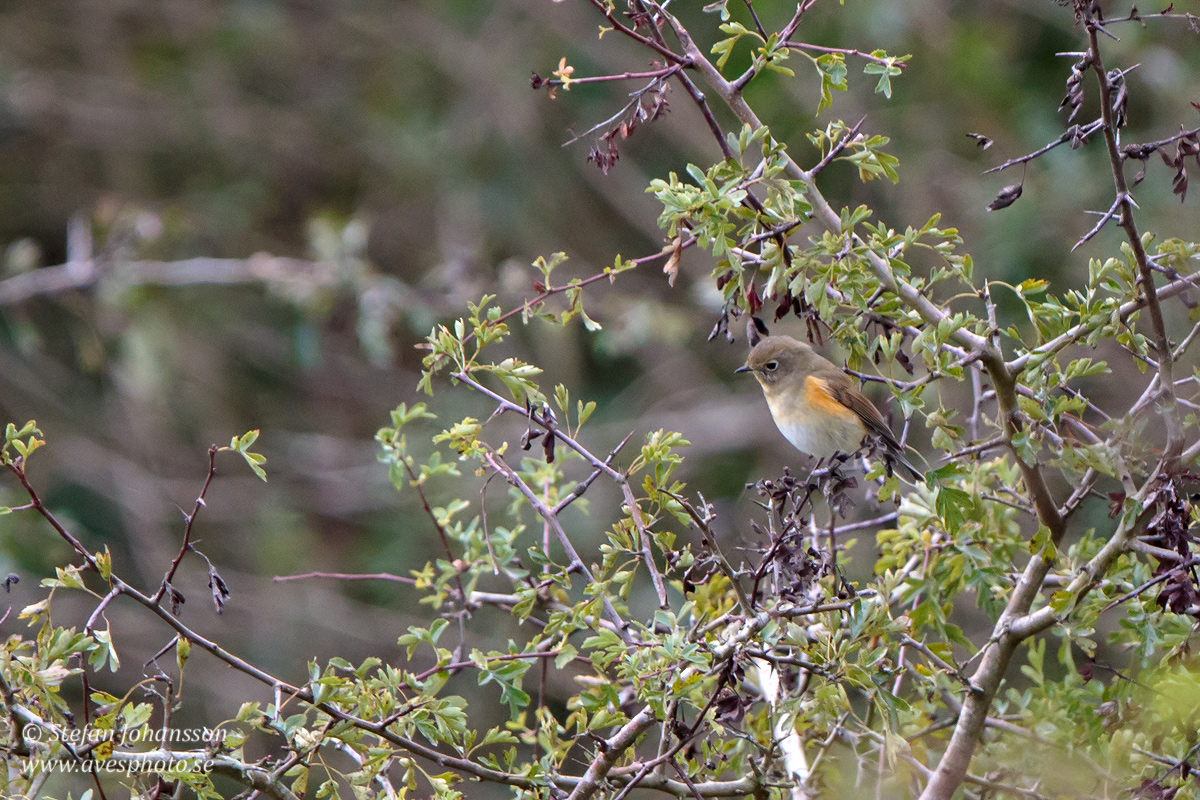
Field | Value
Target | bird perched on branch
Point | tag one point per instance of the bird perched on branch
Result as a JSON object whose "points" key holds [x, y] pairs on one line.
{"points": [[816, 405]]}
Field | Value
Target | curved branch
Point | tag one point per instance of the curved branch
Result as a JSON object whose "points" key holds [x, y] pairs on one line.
{"points": [[610, 751], [1162, 344], [49, 281]]}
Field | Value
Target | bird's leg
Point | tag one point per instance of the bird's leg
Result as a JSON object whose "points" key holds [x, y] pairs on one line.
{"points": [[846, 590], [814, 532]]}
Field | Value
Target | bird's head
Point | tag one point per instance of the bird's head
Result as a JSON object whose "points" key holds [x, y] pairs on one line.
{"points": [[780, 360]]}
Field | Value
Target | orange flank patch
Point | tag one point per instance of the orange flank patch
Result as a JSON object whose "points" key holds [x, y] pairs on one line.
{"points": [[818, 397]]}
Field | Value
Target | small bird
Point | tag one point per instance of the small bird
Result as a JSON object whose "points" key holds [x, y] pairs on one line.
{"points": [[816, 406]]}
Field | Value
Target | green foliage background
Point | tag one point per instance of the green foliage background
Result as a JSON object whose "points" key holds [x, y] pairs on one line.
{"points": [[402, 143]]}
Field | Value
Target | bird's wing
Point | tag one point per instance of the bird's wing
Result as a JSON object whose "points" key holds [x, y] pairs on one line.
{"points": [[858, 403], [873, 420]]}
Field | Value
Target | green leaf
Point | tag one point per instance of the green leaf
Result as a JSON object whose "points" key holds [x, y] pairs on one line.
{"points": [[183, 650], [952, 505], [1042, 543], [105, 652], [546, 266], [66, 578], [567, 654], [724, 48], [104, 563], [255, 460], [242, 445], [584, 411], [832, 69]]}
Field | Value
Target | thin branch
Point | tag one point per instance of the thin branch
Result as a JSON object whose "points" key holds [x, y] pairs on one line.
{"points": [[1078, 133], [1141, 151], [701, 522], [190, 520], [459, 665], [1085, 488], [551, 291], [1182, 347], [894, 62], [1132, 593], [758, 26], [635, 97], [49, 281], [583, 485], [500, 465], [656, 75], [1105, 217], [619, 479], [1162, 343], [348, 576], [951, 670], [1072, 335], [608, 12], [16, 724], [849, 136], [437, 524]]}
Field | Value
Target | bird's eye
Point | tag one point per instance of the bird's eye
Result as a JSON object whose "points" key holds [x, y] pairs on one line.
{"points": [[771, 366]]}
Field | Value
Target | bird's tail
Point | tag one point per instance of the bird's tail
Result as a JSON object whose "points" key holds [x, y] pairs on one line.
{"points": [[896, 457]]}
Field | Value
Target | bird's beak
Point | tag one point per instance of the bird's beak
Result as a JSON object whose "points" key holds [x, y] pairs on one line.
{"points": [[743, 368]]}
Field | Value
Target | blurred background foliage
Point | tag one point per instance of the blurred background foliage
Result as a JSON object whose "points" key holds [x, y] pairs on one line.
{"points": [[396, 151]]}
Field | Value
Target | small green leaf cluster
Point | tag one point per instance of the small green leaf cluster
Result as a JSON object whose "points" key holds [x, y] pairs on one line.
{"points": [[770, 53], [864, 152], [20, 441], [402, 466], [241, 444]]}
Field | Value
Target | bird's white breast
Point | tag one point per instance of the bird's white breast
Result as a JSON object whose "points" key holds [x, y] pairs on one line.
{"points": [[820, 441]]}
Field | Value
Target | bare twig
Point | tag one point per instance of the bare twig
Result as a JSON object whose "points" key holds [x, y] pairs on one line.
{"points": [[348, 576], [189, 521], [1105, 217], [49, 281], [846, 51], [1078, 133], [848, 137]]}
